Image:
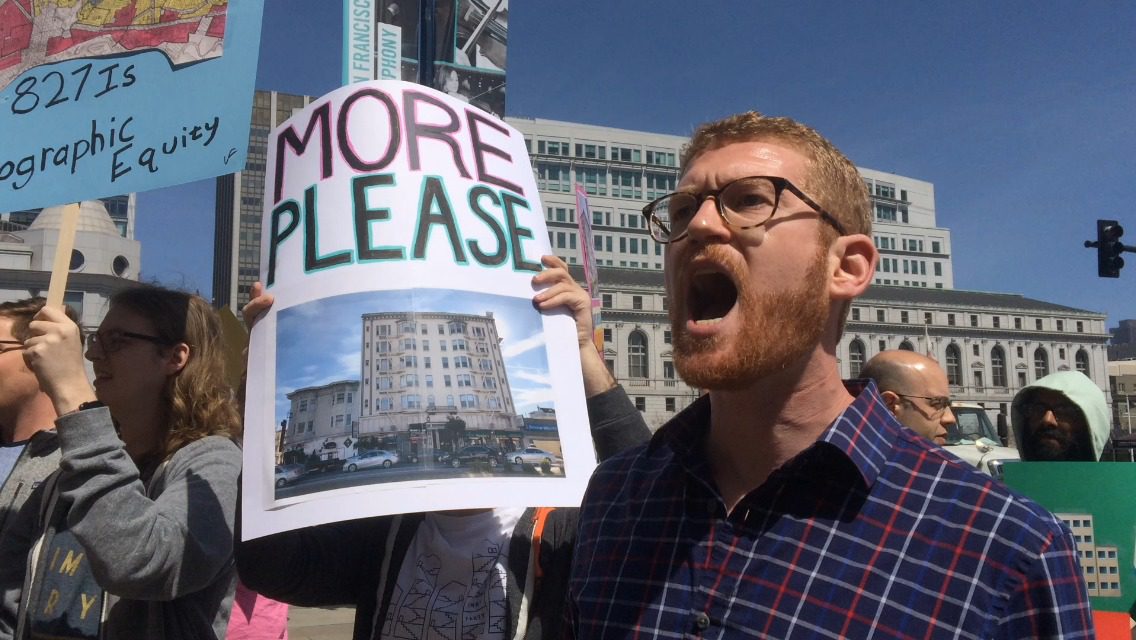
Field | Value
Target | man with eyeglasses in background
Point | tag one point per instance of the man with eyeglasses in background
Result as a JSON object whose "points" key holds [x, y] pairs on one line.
{"points": [[1062, 417], [785, 503], [915, 389], [29, 447]]}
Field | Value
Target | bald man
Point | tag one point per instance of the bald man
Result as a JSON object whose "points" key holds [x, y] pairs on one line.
{"points": [[915, 389]]}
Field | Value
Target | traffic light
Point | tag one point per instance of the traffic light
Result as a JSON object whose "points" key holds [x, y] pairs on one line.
{"points": [[1109, 248]]}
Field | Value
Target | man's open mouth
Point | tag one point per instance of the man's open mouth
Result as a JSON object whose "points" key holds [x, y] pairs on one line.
{"points": [[711, 296]]}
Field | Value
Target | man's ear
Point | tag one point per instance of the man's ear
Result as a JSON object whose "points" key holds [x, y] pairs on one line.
{"points": [[891, 400], [852, 262], [177, 358]]}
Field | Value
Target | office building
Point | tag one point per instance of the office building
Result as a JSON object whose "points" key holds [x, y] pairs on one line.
{"points": [[240, 200]]}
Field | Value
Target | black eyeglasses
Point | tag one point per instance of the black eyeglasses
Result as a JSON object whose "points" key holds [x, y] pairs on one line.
{"points": [[938, 403], [115, 340], [20, 345], [1063, 412], [744, 203]]}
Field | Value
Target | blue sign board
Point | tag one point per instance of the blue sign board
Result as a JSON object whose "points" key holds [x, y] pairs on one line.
{"points": [[98, 99]]}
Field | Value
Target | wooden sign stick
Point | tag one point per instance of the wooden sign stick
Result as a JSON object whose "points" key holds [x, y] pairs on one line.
{"points": [[63, 248]]}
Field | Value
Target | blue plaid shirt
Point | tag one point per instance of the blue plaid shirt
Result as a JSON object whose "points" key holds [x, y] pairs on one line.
{"points": [[871, 532]]}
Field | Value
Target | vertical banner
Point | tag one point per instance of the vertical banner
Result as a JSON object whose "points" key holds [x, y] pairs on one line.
{"points": [[403, 355], [359, 41], [103, 98], [587, 254], [455, 46], [584, 225]]}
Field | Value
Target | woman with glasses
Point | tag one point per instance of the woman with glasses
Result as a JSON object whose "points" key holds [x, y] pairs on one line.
{"points": [[133, 536]]}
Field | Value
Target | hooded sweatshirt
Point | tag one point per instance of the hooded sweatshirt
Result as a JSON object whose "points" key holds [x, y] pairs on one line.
{"points": [[1081, 391]]}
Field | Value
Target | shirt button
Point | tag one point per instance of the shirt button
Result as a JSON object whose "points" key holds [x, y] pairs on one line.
{"points": [[701, 621]]}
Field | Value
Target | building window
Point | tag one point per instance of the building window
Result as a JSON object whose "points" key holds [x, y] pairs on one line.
{"points": [[607, 335], [975, 350], [605, 300], [880, 317], [637, 303], [855, 358], [954, 365], [1060, 325], [997, 322], [1080, 327], [951, 319], [903, 317], [1037, 324], [1021, 353], [1082, 361], [668, 373], [1017, 323], [926, 317], [973, 320], [640, 403], [882, 345], [637, 355], [666, 336], [670, 404], [978, 385], [1040, 363], [998, 367], [855, 314]]}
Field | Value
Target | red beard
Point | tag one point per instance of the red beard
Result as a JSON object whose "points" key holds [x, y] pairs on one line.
{"points": [[779, 329]]}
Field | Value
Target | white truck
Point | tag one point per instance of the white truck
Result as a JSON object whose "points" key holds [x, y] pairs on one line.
{"points": [[974, 439]]}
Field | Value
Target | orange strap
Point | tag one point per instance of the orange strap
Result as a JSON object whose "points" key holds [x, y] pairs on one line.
{"points": [[539, 520]]}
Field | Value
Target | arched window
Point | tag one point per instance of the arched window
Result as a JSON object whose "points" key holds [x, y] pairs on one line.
{"points": [[998, 367], [855, 358], [906, 346], [1082, 361], [954, 365], [637, 355], [1040, 363]]}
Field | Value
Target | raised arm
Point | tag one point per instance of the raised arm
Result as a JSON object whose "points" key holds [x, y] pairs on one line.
{"points": [[615, 423]]}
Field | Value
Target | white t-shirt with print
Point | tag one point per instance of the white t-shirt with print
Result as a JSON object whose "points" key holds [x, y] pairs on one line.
{"points": [[451, 585]]}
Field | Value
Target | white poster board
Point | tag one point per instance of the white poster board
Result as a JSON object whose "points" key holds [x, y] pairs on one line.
{"points": [[403, 367]]}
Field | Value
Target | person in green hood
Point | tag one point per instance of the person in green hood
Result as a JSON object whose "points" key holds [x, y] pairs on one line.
{"points": [[1061, 417]]}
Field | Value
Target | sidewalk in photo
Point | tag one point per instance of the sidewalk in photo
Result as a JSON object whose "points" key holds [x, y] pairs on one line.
{"points": [[316, 623]]}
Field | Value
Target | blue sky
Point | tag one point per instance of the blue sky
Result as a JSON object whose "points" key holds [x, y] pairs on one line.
{"points": [[307, 358], [1020, 113]]}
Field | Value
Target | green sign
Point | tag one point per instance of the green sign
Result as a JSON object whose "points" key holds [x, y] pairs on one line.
{"points": [[1092, 499]]}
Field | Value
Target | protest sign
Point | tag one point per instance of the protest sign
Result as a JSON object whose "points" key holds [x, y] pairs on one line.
{"points": [[1091, 498], [403, 366], [98, 99]]}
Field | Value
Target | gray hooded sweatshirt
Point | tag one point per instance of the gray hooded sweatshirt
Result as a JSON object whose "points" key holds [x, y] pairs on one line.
{"points": [[107, 553], [1081, 391]]}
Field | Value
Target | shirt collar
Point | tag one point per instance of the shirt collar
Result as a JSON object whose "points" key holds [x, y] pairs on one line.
{"points": [[865, 432]]}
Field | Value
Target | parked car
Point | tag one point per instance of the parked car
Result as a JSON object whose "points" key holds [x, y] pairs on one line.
{"points": [[376, 458], [473, 453], [288, 473], [532, 455], [325, 464]]}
